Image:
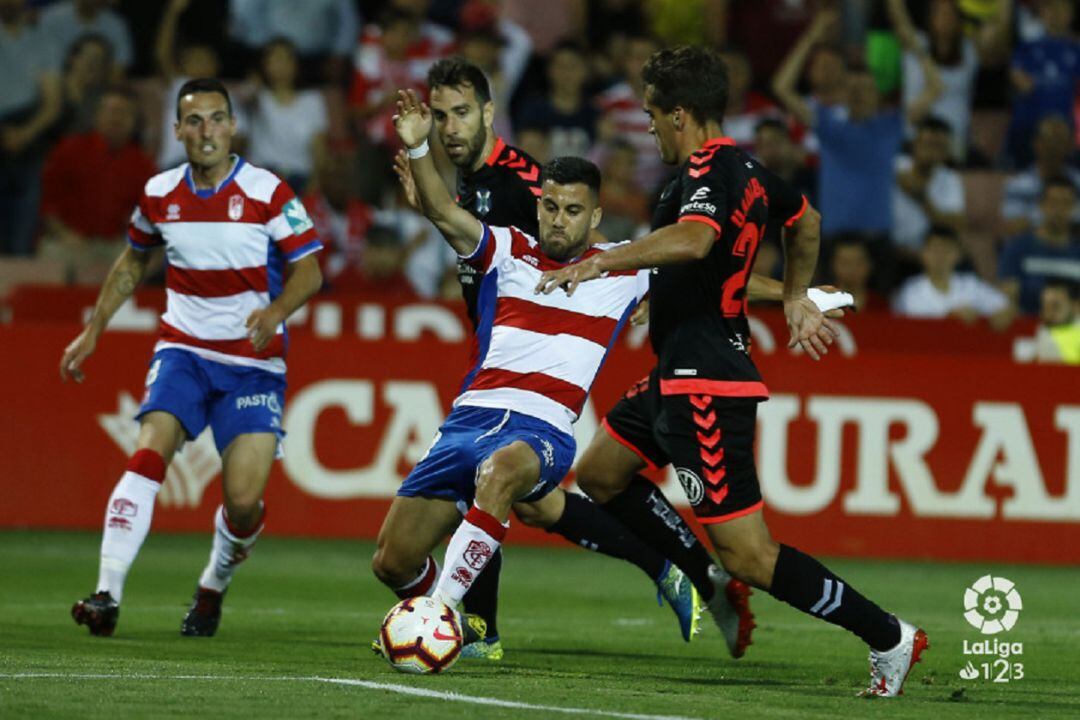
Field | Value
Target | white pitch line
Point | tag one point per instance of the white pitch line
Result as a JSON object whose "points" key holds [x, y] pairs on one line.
{"points": [[367, 684]]}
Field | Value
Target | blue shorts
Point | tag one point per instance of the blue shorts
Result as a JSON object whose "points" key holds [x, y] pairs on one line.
{"points": [[468, 437], [231, 399]]}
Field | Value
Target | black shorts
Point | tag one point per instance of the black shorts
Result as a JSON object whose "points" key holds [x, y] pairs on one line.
{"points": [[708, 439]]}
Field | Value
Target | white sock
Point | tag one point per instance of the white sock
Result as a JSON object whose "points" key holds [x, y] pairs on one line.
{"points": [[127, 523], [471, 547], [226, 553]]}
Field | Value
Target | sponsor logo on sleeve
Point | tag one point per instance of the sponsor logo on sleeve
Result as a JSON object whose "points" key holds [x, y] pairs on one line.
{"points": [[297, 217], [698, 204]]}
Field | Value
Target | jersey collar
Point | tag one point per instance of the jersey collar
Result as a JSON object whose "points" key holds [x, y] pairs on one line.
{"points": [[718, 141], [496, 151], [238, 162]]}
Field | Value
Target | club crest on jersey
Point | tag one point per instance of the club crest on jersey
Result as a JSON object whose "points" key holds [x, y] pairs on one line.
{"points": [[172, 212], [236, 207], [483, 202]]}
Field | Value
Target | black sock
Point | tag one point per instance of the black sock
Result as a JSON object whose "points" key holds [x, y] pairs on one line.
{"points": [[644, 510], [807, 585], [585, 524], [483, 597]]}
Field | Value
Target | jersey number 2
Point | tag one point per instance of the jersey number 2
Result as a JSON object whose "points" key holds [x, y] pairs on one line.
{"points": [[732, 300]]}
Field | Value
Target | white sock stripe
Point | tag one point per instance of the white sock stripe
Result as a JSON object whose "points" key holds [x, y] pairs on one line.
{"points": [[836, 601], [824, 596]]}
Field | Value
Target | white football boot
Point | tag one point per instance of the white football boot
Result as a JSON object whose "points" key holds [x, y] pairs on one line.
{"points": [[889, 668], [730, 609]]}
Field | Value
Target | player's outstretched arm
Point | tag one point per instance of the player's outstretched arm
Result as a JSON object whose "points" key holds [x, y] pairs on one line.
{"points": [[830, 300], [808, 326], [124, 276], [413, 125], [304, 280], [678, 243]]}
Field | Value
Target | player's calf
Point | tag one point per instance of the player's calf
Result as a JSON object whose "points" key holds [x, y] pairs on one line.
{"points": [[751, 562], [406, 581]]}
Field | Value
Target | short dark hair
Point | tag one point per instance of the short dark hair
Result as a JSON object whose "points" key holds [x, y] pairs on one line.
{"points": [[1059, 181], [457, 72], [89, 39], [934, 123], [1071, 287], [567, 170], [946, 232], [692, 77], [203, 85], [851, 239]]}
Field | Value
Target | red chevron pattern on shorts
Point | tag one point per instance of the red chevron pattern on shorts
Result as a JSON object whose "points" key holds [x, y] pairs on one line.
{"points": [[712, 455]]}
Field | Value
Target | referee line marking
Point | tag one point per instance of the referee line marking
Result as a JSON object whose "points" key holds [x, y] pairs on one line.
{"points": [[351, 682]]}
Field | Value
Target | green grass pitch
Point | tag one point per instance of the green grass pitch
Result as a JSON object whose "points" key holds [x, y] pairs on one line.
{"points": [[583, 635]]}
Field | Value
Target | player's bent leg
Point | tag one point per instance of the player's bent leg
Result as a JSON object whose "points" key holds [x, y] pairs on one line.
{"points": [[748, 551], [509, 473], [542, 513], [246, 464], [585, 524], [127, 519], [411, 530], [608, 472], [607, 467]]}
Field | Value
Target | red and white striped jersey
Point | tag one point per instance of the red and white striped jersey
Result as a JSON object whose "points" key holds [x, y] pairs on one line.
{"points": [[539, 354], [226, 250]]}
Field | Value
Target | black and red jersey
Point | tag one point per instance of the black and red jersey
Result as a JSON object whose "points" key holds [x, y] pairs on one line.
{"points": [[502, 193], [697, 311]]}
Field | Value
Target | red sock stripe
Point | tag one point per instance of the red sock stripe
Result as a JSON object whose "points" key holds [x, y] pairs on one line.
{"points": [[148, 463], [423, 584], [486, 522]]}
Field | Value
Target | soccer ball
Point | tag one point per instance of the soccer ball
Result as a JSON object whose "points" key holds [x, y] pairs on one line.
{"points": [[421, 635]]}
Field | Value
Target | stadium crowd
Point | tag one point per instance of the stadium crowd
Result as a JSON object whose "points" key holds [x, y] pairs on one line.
{"points": [[938, 138]]}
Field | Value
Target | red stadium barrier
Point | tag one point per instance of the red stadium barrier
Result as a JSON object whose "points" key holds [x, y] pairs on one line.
{"points": [[931, 444]]}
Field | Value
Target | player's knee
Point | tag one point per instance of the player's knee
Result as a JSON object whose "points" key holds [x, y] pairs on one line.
{"points": [[597, 481], [243, 503], [388, 567], [497, 482], [752, 563], [531, 515]]}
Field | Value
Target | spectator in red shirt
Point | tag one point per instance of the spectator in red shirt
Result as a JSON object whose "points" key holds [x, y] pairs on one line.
{"points": [[391, 55], [90, 184]]}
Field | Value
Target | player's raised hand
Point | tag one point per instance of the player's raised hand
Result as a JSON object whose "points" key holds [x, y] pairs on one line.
{"points": [[808, 327], [75, 354], [568, 277], [412, 120], [262, 326], [408, 184]]}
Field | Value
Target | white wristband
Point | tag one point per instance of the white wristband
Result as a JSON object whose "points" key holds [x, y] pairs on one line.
{"points": [[418, 152], [827, 301]]}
